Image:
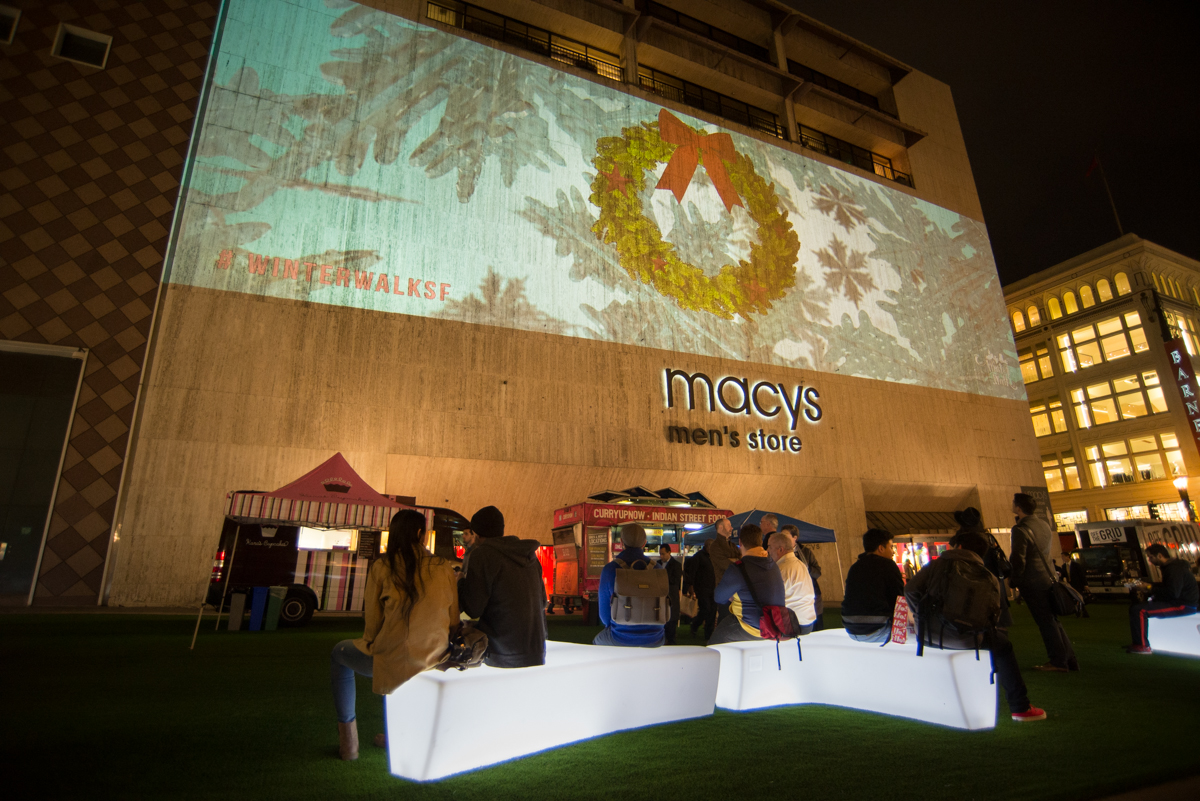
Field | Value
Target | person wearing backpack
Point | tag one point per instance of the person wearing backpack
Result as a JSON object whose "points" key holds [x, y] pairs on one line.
{"points": [[746, 584], [1033, 576], [955, 601], [642, 608], [970, 519]]}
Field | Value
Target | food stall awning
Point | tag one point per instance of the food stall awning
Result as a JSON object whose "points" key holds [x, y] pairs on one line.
{"points": [[331, 495], [808, 532]]}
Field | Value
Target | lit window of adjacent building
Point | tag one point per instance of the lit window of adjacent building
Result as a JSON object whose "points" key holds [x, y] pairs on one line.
{"points": [[1054, 308], [1165, 511], [1060, 472], [1122, 282], [1034, 317], [1149, 457], [81, 46], [1033, 360], [1103, 290], [1048, 417], [1069, 304], [1086, 297], [1018, 321], [1187, 330], [1122, 398], [1106, 341], [1066, 521]]}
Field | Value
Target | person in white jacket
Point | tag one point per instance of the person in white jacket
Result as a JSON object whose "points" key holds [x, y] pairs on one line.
{"points": [[797, 584]]}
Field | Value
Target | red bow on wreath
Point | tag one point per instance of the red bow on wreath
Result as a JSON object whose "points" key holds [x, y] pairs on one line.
{"points": [[715, 149]]}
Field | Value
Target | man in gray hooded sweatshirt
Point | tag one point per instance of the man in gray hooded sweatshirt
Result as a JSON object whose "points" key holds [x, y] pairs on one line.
{"points": [[501, 586], [1033, 576]]}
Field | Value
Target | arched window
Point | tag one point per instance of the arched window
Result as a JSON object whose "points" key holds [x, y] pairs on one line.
{"points": [[1054, 309], [1157, 283], [1069, 303], [1122, 282], [1034, 317], [1175, 286], [1103, 290], [1085, 295], [1018, 321], [1196, 295]]}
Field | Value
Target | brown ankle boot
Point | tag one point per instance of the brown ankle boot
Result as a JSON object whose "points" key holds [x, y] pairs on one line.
{"points": [[380, 740], [348, 740]]}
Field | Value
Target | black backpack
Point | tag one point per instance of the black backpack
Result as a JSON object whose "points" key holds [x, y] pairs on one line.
{"points": [[995, 560], [963, 597]]}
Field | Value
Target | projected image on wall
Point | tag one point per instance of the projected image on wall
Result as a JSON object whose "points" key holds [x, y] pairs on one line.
{"points": [[353, 158]]}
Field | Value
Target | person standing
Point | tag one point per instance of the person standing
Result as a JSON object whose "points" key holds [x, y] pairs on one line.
{"points": [[501, 586], [756, 567], [797, 586], [1175, 595], [1077, 578], [769, 524], [675, 577], [1031, 574], [722, 553], [410, 606], [699, 581]]}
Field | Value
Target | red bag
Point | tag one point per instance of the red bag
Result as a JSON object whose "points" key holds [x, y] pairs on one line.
{"points": [[775, 622]]}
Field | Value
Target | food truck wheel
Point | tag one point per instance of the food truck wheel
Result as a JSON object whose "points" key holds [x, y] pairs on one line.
{"points": [[298, 606]]}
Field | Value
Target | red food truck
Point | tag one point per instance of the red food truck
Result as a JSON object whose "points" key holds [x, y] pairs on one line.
{"points": [[585, 533]]}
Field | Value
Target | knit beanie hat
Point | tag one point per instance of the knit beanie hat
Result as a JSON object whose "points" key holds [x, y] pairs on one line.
{"points": [[488, 522]]}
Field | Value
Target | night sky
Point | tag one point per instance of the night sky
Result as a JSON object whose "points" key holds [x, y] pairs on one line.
{"points": [[1040, 87]]}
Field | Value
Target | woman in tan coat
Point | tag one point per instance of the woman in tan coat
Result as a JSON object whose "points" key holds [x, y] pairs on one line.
{"points": [[411, 605]]}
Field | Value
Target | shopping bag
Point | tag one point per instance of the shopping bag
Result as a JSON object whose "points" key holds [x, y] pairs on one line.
{"points": [[688, 605], [900, 621]]}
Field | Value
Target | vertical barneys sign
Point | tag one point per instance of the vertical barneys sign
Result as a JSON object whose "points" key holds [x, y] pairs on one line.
{"points": [[732, 395], [1185, 380]]}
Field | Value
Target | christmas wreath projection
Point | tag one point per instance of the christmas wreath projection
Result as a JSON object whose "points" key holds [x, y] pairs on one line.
{"points": [[372, 162], [622, 164]]}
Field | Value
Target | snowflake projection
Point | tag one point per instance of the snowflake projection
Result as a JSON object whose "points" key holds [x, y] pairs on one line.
{"points": [[841, 207], [846, 271]]}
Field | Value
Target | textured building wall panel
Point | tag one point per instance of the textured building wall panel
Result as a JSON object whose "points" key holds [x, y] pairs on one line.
{"points": [[90, 164]]}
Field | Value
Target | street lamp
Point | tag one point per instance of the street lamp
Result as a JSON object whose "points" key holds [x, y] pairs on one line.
{"points": [[1181, 484]]}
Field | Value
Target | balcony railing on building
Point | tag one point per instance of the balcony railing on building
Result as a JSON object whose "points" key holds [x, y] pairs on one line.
{"points": [[702, 28], [852, 154], [527, 37], [834, 85], [690, 94]]}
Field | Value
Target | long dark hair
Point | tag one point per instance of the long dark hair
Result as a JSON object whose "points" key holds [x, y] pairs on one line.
{"points": [[405, 538]]}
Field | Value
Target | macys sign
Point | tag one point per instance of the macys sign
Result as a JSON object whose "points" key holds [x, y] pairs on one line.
{"points": [[738, 396]]}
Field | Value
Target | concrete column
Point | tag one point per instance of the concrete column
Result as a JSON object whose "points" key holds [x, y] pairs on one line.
{"points": [[629, 58]]}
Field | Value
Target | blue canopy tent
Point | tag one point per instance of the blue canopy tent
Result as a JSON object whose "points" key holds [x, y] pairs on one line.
{"points": [[808, 532]]}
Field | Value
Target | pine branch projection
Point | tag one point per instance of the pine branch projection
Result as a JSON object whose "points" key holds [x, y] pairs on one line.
{"points": [[867, 351], [503, 303], [700, 242], [846, 271], [841, 207], [569, 224]]}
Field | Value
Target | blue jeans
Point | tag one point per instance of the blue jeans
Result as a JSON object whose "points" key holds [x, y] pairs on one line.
{"points": [[344, 662], [880, 635]]}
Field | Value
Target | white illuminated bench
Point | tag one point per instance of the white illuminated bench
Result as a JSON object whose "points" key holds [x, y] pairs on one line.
{"points": [[946, 687], [439, 723], [1175, 635]]}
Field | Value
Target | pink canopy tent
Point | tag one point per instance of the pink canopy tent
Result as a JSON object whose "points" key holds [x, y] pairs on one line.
{"points": [[331, 495]]}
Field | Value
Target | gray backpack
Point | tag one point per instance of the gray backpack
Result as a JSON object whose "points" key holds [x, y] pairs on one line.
{"points": [[965, 598], [640, 595]]}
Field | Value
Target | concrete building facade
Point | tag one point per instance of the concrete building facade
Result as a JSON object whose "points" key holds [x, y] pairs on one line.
{"points": [[504, 253]]}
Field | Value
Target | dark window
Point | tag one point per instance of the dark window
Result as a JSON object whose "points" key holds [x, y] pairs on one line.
{"points": [[83, 46], [8, 23]]}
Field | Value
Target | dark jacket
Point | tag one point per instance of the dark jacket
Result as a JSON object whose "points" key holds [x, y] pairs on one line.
{"points": [[674, 574], [1031, 541], [768, 586], [722, 553], [872, 586], [918, 587], [698, 576], [1178, 585], [624, 634], [502, 587]]}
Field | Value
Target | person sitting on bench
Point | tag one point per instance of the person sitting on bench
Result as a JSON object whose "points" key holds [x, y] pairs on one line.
{"points": [[1175, 595], [741, 624], [872, 587]]}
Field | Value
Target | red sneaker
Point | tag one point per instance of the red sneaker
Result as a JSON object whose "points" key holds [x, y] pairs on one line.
{"points": [[1033, 713], [1139, 649]]}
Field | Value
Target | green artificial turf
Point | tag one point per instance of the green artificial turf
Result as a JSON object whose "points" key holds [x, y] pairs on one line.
{"points": [[102, 706]]}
